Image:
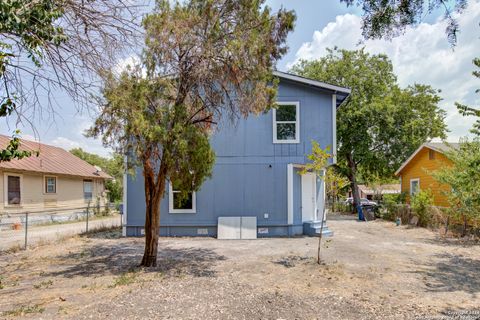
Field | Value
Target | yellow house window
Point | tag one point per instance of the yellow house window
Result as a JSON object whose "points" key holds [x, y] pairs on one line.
{"points": [[414, 186], [431, 154]]}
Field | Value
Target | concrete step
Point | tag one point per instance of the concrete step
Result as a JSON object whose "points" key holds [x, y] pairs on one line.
{"points": [[313, 228]]}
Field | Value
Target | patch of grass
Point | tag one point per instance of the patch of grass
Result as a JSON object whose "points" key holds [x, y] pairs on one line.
{"points": [[62, 310], [13, 249], [43, 284], [1, 283], [22, 310], [125, 279]]}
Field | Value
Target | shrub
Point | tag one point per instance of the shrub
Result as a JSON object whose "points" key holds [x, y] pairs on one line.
{"points": [[420, 206], [390, 206]]}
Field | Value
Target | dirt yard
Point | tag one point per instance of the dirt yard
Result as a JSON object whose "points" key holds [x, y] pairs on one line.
{"points": [[371, 270]]}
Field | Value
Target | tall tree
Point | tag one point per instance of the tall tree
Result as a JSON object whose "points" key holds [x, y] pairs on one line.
{"points": [[50, 45], [203, 59], [381, 124]]}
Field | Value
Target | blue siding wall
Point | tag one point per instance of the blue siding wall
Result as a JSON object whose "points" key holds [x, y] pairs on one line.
{"points": [[250, 174]]}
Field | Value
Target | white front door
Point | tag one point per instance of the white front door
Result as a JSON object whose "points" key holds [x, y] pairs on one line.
{"points": [[309, 203]]}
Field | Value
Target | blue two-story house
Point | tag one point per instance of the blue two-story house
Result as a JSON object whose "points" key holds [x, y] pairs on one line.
{"points": [[257, 167]]}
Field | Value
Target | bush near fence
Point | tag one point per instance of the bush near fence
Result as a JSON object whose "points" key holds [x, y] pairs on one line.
{"points": [[438, 218]]}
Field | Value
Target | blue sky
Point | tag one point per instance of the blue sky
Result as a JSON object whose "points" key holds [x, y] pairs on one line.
{"points": [[421, 55]]}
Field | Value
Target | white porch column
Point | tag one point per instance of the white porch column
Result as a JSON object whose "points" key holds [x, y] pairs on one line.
{"points": [[290, 193], [321, 198]]}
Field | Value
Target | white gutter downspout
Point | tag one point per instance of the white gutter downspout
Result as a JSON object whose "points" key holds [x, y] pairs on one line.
{"points": [[125, 180]]}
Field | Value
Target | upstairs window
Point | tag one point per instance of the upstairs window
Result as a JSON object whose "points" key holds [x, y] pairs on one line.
{"points": [[286, 122], [179, 203], [431, 154], [50, 185]]}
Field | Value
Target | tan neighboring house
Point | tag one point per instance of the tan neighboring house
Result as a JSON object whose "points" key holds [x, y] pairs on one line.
{"points": [[371, 193], [54, 181]]}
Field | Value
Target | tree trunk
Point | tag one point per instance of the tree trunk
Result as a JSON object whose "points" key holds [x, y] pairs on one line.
{"points": [[319, 260], [352, 176], [153, 194], [464, 229]]}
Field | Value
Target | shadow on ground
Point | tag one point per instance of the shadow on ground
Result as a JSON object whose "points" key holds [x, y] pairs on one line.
{"points": [[120, 257], [342, 217], [453, 242], [452, 272]]}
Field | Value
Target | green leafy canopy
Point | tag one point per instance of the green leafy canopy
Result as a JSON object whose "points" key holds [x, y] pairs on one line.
{"points": [[381, 124], [463, 178], [13, 149]]}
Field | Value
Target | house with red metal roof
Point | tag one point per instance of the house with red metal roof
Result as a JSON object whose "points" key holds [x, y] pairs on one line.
{"points": [[55, 180]]}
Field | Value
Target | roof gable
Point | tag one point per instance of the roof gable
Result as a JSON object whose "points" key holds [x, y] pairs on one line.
{"points": [[52, 160], [341, 92], [435, 146]]}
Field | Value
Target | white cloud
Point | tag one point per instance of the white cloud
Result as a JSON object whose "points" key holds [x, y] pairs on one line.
{"points": [[76, 139], [421, 55], [87, 144], [65, 143]]}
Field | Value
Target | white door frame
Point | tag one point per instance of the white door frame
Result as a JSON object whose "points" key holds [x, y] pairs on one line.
{"points": [[309, 197], [320, 200]]}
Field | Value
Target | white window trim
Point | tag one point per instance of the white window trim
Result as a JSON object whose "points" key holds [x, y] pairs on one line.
{"points": [[45, 184], [297, 122], [170, 202], [5, 189], [414, 180]]}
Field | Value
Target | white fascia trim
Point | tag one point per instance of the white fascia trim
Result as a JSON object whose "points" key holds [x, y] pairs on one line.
{"points": [[414, 180], [410, 159], [170, 202], [311, 82], [334, 128], [125, 183], [5, 189], [290, 193], [297, 122]]}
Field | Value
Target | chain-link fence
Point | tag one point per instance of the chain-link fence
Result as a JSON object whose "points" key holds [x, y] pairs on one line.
{"points": [[22, 229]]}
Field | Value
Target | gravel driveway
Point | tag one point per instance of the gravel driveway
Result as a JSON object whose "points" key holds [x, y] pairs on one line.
{"points": [[371, 270]]}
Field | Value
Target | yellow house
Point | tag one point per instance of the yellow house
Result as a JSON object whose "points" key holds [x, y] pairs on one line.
{"points": [[415, 173], [54, 181]]}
